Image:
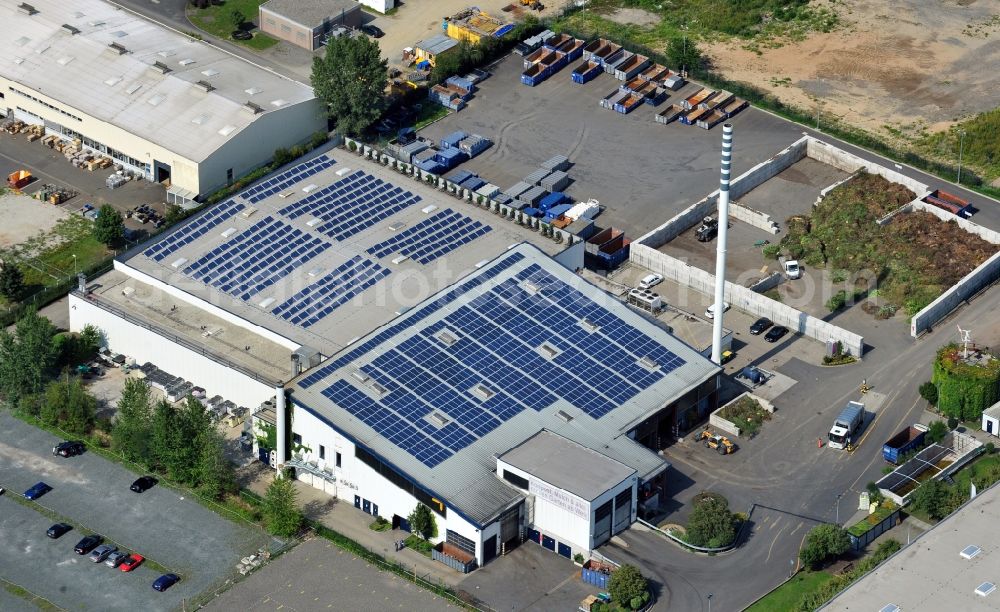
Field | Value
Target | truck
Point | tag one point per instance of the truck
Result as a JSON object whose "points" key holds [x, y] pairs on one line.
{"points": [[902, 443], [847, 426]]}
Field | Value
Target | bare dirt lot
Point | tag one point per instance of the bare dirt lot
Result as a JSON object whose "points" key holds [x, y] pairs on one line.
{"points": [[896, 62], [24, 216]]}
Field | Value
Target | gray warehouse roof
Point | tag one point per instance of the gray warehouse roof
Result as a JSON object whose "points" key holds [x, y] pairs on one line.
{"points": [[310, 13], [147, 85], [567, 465], [436, 44], [946, 568], [520, 345]]}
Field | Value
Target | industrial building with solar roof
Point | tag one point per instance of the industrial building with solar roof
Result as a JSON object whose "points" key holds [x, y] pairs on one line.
{"points": [[410, 347], [161, 104]]}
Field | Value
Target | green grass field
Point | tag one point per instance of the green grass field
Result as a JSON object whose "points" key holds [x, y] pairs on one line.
{"points": [[788, 595], [980, 147], [216, 21]]}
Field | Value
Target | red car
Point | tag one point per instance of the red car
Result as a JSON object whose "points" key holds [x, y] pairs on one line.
{"points": [[131, 562]]}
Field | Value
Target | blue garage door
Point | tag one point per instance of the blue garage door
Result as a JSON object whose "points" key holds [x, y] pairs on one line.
{"points": [[533, 535], [564, 550], [548, 542]]}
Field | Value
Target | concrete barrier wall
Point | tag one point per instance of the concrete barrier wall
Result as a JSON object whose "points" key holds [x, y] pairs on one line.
{"points": [[842, 160], [768, 282], [680, 222], [728, 426], [753, 217], [974, 282], [745, 299], [767, 169], [969, 226]]}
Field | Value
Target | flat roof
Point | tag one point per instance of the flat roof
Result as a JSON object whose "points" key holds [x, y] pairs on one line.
{"points": [[323, 254], [436, 44], [932, 573], [310, 13], [520, 345], [127, 89], [572, 467]]}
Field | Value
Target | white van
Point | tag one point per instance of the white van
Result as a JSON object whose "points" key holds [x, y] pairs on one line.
{"points": [[650, 280]]}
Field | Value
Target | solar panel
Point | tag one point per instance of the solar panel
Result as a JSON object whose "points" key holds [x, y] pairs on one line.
{"points": [[193, 230], [288, 178], [432, 237], [312, 304]]}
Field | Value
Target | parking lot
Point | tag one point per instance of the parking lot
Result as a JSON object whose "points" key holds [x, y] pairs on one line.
{"points": [[642, 171], [176, 533]]}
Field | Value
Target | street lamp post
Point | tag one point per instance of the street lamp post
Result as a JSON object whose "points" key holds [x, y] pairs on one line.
{"points": [[710, 602], [961, 146], [74, 265]]}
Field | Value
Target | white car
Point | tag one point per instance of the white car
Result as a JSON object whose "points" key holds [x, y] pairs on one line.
{"points": [[710, 311], [650, 280], [792, 269]]}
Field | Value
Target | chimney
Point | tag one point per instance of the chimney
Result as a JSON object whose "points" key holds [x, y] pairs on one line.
{"points": [[296, 365], [281, 423], [720, 248]]}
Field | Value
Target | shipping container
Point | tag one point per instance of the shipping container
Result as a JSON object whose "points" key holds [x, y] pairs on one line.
{"points": [[720, 99], [553, 199], [601, 50], [734, 107], [558, 162], [452, 139], [459, 176], [612, 62], [488, 190], [669, 114], [628, 69], [503, 198], [429, 165], [613, 98], [407, 152], [474, 145], [532, 196], [424, 155], [607, 249], [692, 117], [461, 82], [950, 202], [532, 212], [556, 181], [674, 82], [573, 48], [449, 158], [517, 189], [629, 103], [472, 183], [536, 177]]}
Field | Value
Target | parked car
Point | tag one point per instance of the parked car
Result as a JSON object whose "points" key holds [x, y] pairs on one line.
{"points": [[710, 311], [650, 280], [87, 544], [143, 483], [760, 326], [101, 552], [58, 530], [373, 31], [131, 562], [165, 581], [69, 448], [776, 333], [116, 558], [37, 491]]}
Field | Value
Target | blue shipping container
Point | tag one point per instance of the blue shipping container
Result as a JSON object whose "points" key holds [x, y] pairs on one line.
{"points": [[460, 176], [472, 183], [429, 165], [551, 200], [451, 140], [532, 212], [460, 82], [555, 211]]}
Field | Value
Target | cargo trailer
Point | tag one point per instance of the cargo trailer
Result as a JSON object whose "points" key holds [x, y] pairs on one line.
{"points": [[669, 114], [697, 98], [586, 71]]}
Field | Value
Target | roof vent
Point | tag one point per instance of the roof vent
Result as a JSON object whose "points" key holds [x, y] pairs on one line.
{"points": [[165, 53], [589, 325], [279, 102], [179, 262], [565, 416], [113, 81], [27, 9], [889, 608], [205, 86], [649, 363], [378, 389], [439, 419], [970, 551], [20, 42], [157, 99], [446, 337], [249, 212], [161, 67], [482, 392], [229, 232], [62, 61], [133, 88], [253, 91], [211, 72], [548, 351], [359, 376], [186, 62], [71, 29], [985, 589], [117, 48], [253, 108], [266, 302], [398, 225], [227, 130], [201, 119], [531, 287]]}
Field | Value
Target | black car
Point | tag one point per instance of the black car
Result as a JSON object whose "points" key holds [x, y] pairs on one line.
{"points": [[165, 581], [58, 530], [69, 448], [143, 483], [373, 31], [776, 333], [87, 544], [760, 326]]}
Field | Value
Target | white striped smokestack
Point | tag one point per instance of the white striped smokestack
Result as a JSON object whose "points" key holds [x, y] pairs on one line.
{"points": [[720, 249]]}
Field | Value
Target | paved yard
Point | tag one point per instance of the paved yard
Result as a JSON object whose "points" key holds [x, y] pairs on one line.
{"points": [[92, 492], [316, 575]]}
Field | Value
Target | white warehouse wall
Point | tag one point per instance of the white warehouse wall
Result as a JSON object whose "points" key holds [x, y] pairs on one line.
{"points": [[560, 523], [144, 345]]}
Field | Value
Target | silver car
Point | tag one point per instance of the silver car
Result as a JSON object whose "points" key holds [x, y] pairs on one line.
{"points": [[115, 559], [101, 552]]}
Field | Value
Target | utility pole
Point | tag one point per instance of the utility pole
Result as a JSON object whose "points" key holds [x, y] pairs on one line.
{"points": [[961, 145], [839, 495], [710, 602]]}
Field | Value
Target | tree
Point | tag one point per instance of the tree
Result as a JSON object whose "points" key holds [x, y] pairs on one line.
{"points": [[130, 434], [173, 214], [822, 542], [214, 473], [711, 523], [422, 522], [69, 405], [109, 227], [236, 17], [929, 392], [26, 356], [11, 281], [626, 584], [163, 426], [350, 81], [281, 513], [934, 498], [684, 54], [936, 432]]}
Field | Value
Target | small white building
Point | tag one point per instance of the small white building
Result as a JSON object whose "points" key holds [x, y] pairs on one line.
{"points": [[991, 420]]}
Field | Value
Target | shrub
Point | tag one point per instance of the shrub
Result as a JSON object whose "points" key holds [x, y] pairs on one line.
{"points": [[282, 156], [990, 448], [626, 584], [712, 524], [952, 423], [965, 389], [747, 414], [936, 432], [578, 558], [318, 139], [929, 392], [771, 251], [822, 542]]}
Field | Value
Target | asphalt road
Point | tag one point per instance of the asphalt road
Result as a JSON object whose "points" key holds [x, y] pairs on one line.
{"points": [[92, 492], [794, 483]]}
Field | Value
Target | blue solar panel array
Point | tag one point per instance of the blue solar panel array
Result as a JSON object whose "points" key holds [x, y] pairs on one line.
{"points": [[352, 204], [193, 230], [287, 178], [433, 237], [312, 304], [497, 344], [257, 258]]}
